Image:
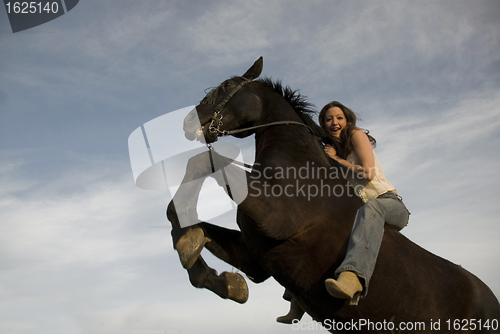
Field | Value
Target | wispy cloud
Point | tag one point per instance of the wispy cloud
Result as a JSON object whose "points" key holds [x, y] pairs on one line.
{"points": [[77, 250], [88, 251], [444, 165]]}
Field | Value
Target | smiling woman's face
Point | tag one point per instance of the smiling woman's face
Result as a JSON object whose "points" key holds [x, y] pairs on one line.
{"points": [[335, 121]]}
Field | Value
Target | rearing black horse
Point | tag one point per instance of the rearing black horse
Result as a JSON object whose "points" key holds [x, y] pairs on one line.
{"points": [[298, 235]]}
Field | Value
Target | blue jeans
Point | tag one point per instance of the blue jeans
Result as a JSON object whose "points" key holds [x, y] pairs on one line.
{"points": [[367, 233]]}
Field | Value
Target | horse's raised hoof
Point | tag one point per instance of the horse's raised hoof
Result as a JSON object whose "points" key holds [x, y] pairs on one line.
{"points": [[237, 288], [295, 314], [190, 246]]}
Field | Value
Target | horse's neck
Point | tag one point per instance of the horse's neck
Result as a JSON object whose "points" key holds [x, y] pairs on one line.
{"points": [[284, 155], [286, 144]]}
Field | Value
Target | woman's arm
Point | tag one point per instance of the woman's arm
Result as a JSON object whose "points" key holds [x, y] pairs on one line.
{"points": [[364, 154]]}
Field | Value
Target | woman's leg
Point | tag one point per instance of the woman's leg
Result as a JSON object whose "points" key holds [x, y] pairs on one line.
{"points": [[367, 234]]}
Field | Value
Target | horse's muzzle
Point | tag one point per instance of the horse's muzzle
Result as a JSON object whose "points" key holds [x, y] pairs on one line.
{"points": [[191, 125], [196, 124]]}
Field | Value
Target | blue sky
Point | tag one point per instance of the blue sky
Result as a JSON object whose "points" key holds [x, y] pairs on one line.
{"points": [[83, 250]]}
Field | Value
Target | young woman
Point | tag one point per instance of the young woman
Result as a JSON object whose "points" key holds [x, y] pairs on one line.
{"points": [[353, 148]]}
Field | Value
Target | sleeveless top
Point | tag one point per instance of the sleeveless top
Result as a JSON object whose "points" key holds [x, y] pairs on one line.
{"points": [[376, 187]]}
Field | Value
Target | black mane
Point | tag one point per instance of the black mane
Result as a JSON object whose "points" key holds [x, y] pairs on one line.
{"points": [[299, 103], [304, 109]]}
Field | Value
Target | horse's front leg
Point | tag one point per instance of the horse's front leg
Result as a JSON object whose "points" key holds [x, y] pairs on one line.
{"points": [[185, 199], [188, 239], [229, 246], [189, 242], [226, 285]]}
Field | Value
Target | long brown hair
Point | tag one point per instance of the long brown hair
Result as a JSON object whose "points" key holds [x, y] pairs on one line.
{"points": [[343, 144]]}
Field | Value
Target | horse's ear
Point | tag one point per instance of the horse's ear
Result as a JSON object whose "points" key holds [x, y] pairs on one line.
{"points": [[254, 71]]}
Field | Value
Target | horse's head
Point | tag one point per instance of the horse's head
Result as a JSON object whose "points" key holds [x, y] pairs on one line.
{"points": [[230, 106]]}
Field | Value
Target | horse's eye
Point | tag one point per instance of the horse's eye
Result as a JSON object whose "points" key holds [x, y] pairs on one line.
{"points": [[227, 83]]}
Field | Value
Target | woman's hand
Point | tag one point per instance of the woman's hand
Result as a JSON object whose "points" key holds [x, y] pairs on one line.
{"points": [[363, 150], [330, 151]]}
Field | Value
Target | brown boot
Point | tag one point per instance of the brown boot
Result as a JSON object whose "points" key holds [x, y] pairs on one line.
{"points": [[345, 286], [190, 246], [296, 312]]}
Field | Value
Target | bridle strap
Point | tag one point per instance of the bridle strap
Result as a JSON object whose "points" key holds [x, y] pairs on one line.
{"points": [[216, 123], [231, 132], [226, 99]]}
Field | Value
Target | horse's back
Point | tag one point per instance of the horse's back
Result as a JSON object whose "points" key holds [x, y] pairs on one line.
{"points": [[485, 304], [428, 285], [409, 285]]}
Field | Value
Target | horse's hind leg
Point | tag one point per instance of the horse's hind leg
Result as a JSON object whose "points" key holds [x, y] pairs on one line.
{"points": [[226, 285]]}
